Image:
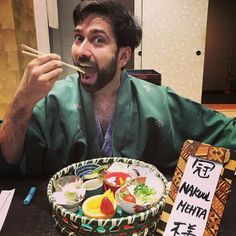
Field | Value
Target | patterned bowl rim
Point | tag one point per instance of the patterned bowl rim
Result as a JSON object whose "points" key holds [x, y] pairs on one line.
{"points": [[108, 222]]}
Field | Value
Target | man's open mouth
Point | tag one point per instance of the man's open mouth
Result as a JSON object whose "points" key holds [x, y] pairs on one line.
{"points": [[90, 71]]}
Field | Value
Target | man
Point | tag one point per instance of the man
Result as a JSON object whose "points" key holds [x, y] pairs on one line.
{"points": [[104, 112]]}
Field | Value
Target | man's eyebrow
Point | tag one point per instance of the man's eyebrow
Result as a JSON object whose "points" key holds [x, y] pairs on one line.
{"points": [[76, 30], [93, 31]]}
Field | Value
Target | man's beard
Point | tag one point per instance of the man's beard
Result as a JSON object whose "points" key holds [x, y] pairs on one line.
{"points": [[104, 75]]}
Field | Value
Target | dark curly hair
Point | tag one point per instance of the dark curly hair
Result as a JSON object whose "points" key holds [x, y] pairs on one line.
{"points": [[127, 31]]}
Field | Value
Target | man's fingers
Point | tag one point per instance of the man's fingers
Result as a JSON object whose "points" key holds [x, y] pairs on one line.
{"points": [[41, 67], [49, 66], [53, 75], [42, 59]]}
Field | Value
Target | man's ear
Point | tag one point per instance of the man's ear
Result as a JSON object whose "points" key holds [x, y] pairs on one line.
{"points": [[124, 56]]}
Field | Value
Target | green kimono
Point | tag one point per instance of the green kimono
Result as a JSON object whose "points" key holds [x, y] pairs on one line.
{"points": [[150, 123]]}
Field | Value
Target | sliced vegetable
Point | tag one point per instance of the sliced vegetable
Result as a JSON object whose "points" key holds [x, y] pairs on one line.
{"points": [[107, 206], [71, 196], [143, 192], [121, 181], [130, 198], [96, 172], [141, 179]]}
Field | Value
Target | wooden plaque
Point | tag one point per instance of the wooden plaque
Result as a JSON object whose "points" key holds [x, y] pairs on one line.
{"points": [[209, 154]]}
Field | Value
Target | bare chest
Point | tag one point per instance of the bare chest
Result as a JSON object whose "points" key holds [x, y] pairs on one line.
{"points": [[104, 114]]}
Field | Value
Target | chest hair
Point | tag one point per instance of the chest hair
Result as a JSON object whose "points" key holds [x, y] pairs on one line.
{"points": [[104, 114]]}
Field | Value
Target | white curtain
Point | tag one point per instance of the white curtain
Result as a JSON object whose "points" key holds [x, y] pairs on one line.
{"points": [[46, 14], [52, 13]]}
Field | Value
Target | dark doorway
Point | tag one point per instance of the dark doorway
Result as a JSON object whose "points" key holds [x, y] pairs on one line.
{"points": [[219, 80]]}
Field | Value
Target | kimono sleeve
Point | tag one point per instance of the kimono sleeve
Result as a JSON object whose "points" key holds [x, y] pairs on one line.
{"points": [[7, 169], [197, 122]]}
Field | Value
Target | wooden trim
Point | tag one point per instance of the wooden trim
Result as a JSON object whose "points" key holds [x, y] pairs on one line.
{"points": [[222, 106]]}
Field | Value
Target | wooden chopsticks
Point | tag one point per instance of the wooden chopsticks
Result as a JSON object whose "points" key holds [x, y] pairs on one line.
{"points": [[35, 53]]}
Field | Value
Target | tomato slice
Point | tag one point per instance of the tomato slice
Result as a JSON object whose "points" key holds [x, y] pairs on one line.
{"points": [[107, 206], [130, 198]]}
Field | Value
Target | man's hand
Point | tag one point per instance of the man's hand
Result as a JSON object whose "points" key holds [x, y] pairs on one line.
{"points": [[39, 78]]}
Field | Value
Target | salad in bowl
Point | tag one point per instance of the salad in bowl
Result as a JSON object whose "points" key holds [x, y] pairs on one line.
{"points": [[140, 194]]}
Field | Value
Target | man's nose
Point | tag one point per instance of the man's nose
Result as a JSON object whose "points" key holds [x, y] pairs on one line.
{"points": [[84, 50]]}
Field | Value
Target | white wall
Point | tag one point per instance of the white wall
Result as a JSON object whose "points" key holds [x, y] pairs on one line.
{"points": [[172, 33]]}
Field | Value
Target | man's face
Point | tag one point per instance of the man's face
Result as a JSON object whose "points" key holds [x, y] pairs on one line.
{"points": [[95, 50]]}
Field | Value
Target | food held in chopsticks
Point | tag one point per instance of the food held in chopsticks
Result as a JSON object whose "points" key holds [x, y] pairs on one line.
{"points": [[35, 53]]}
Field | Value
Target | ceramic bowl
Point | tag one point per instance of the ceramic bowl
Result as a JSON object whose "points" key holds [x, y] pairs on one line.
{"points": [[136, 170], [115, 180], [131, 202], [93, 187], [67, 179], [85, 170], [70, 197]]}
